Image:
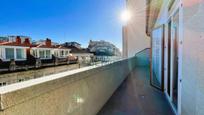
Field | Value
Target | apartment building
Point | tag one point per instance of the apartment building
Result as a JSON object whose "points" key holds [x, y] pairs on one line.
{"points": [[173, 29], [168, 81]]}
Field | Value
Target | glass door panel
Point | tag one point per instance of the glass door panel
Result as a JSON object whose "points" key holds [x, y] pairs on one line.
{"points": [[175, 60], [157, 55]]}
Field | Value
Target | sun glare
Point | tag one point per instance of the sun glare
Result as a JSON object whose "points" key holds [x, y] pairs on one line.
{"points": [[125, 16]]}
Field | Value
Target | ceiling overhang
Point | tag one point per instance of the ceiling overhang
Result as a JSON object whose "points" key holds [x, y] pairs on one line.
{"points": [[152, 13]]}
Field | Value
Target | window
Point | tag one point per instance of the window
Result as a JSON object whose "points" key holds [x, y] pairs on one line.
{"points": [[20, 80], [62, 53], [56, 53], [45, 53], [157, 47], [4, 83], [34, 53], [20, 54], [42, 54], [66, 53], [9, 53], [48, 54]]}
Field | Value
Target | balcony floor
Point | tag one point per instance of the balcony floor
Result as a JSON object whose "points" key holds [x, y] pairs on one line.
{"points": [[136, 97]]}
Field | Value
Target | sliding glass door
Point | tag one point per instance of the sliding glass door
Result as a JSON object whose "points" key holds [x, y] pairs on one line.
{"points": [[175, 63], [173, 60], [157, 58]]}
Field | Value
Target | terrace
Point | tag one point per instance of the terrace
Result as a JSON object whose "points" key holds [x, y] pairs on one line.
{"points": [[83, 92], [171, 28]]}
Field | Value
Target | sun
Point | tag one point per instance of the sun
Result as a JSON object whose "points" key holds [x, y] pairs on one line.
{"points": [[125, 16]]}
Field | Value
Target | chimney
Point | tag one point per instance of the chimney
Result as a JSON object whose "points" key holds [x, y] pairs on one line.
{"points": [[27, 41], [18, 40], [48, 42]]}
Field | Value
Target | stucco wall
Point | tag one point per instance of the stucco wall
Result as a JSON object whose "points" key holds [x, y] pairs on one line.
{"points": [[136, 28], [125, 45], [193, 58], [77, 92]]}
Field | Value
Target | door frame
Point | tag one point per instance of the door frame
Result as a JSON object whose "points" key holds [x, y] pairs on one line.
{"points": [[177, 9], [163, 59]]}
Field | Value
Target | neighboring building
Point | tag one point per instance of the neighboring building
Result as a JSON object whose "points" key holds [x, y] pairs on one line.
{"points": [[13, 38], [75, 44], [61, 51], [103, 48], [43, 50], [3, 39], [134, 34], [48, 53], [15, 50], [174, 31], [46, 49], [83, 54], [24, 54], [13, 53], [125, 42], [43, 42]]}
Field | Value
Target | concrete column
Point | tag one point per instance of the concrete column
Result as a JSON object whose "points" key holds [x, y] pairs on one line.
{"points": [[137, 39]]}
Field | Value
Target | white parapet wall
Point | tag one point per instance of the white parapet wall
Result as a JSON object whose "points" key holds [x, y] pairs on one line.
{"points": [[78, 92]]}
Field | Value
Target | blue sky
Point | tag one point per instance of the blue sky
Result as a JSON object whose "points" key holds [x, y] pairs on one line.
{"points": [[63, 20]]}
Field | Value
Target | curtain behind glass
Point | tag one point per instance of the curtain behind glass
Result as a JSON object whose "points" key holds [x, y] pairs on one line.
{"points": [[20, 54], [9, 53]]}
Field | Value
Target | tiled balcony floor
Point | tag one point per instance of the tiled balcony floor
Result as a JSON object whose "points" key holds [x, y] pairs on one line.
{"points": [[136, 97]]}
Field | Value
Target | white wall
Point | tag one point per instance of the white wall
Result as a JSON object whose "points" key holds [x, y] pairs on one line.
{"points": [[125, 45], [3, 52], [136, 28], [193, 58]]}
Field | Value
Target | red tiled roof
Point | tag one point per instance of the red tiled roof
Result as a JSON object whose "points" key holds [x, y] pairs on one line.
{"points": [[53, 46], [43, 46], [14, 44], [32, 45], [61, 47]]}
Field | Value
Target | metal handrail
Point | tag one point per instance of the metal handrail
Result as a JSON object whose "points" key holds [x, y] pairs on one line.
{"points": [[142, 51]]}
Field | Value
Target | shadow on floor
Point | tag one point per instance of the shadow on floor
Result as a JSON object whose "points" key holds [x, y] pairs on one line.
{"points": [[135, 96]]}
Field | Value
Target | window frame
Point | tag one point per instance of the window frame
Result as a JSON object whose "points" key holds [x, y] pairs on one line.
{"points": [[13, 53], [23, 55]]}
